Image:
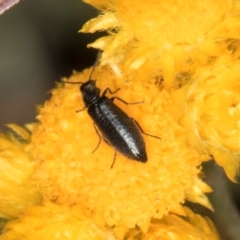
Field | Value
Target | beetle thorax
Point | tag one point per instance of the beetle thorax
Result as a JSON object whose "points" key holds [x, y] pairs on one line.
{"points": [[90, 93]]}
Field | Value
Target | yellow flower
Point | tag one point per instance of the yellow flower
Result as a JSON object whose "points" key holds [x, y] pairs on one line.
{"points": [[17, 166], [194, 48], [154, 38], [173, 227], [181, 58], [213, 112], [52, 221], [131, 192]]}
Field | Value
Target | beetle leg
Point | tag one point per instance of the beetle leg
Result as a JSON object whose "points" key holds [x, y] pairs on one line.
{"points": [[112, 99], [143, 131], [114, 159], [109, 90], [127, 103], [100, 138], [81, 110]]}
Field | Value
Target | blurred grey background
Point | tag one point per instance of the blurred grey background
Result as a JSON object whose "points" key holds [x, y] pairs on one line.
{"points": [[40, 44]]}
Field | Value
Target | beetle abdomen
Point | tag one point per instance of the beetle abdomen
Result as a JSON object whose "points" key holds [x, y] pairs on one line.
{"points": [[118, 129]]}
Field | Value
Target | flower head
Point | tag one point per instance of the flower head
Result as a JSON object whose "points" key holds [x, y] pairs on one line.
{"points": [[181, 60], [131, 192], [17, 166]]}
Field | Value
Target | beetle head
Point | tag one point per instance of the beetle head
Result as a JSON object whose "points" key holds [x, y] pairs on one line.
{"points": [[90, 92]]}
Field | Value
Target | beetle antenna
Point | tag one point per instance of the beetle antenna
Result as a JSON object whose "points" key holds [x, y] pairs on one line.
{"points": [[94, 66], [96, 62]]}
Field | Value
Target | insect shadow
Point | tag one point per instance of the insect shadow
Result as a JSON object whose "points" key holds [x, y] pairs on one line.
{"points": [[111, 123]]}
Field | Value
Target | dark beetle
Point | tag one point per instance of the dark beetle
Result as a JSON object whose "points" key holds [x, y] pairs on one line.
{"points": [[116, 127]]}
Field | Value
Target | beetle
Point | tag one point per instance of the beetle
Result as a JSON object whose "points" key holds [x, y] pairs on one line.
{"points": [[119, 130]]}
